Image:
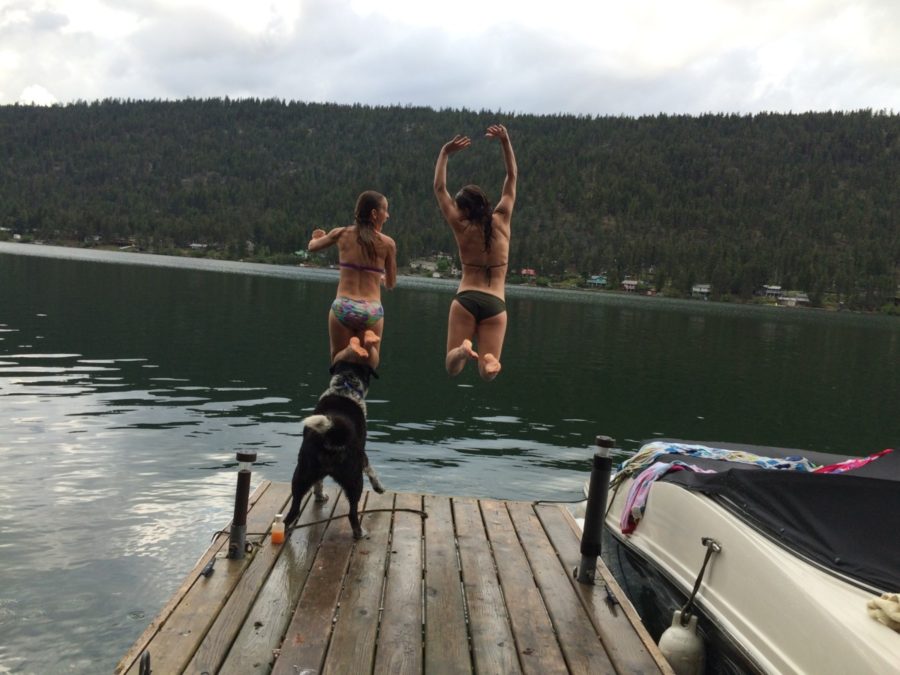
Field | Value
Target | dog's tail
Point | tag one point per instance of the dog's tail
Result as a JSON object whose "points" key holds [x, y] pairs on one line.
{"points": [[334, 430], [318, 423]]}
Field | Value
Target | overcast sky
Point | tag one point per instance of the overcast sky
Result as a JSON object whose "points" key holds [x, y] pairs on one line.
{"points": [[595, 57]]}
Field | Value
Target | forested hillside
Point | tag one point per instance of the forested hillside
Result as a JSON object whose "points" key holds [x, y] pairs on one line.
{"points": [[808, 201]]}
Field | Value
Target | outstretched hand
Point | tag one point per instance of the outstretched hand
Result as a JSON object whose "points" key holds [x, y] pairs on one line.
{"points": [[318, 233], [456, 144], [497, 131]]}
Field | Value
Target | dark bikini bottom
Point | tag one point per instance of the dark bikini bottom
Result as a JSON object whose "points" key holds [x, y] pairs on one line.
{"points": [[481, 305]]}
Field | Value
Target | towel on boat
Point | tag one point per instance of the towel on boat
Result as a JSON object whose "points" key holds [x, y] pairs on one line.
{"points": [[651, 452], [886, 610], [852, 463], [638, 492]]}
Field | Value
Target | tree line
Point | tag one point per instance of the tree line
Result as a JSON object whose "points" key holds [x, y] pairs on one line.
{"points": [[807, 201]]}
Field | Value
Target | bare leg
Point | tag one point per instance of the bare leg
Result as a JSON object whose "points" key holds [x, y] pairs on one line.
{"points": [[491, 333], [371, 340], [457, 357], [460, 329], [355, 348], [339, 335]]}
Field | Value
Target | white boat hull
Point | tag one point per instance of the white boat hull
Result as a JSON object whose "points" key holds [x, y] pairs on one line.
{"points": [[787, 615]]}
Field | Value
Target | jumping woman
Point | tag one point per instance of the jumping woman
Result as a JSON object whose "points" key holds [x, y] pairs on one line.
{"points": [[366, 258], [478, 311]]}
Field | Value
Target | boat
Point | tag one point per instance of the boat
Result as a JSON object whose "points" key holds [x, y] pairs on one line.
{"points": [[780, 560]]}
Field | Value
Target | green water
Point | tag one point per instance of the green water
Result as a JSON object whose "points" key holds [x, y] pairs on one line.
{"points": [[128, 381]]}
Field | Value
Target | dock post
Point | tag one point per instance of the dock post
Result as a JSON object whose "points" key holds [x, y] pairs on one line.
{"points": [[598, 491], [237, 541]]}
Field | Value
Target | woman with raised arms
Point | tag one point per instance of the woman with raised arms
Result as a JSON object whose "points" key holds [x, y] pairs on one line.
{"points": [[482, 232]]}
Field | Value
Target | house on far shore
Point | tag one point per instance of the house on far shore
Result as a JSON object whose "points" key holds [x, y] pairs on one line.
{"points": [[630, 285], [793, 299], [597, 281], [529, 273], [700, 291], [770, 291], [424, 264]]}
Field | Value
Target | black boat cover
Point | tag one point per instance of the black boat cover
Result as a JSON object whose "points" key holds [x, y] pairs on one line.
{"points": [[847, 522]]}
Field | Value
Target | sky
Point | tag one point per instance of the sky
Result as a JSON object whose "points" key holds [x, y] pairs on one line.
{"points": [[580, 57]]}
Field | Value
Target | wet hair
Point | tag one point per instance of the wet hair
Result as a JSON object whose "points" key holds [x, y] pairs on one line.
{"points": [[472, 201], [365, 228]]}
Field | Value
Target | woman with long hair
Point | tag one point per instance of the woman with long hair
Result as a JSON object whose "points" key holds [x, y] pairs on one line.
{"points": [[366, 257], [482, 232]]}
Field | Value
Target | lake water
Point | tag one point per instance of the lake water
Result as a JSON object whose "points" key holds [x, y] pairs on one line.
{"points": [[128, 381]]}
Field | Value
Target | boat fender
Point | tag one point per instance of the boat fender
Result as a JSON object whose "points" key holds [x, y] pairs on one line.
{"points": [[682, 647]]}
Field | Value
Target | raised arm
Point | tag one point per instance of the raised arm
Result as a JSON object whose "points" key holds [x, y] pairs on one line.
{"points": [[508, 196], [445, 201], [321, 240]]}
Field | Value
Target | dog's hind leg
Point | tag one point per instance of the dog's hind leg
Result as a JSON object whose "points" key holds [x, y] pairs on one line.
{"points": [[319, 492], [299, 487], [353, 491], [374, 480]]}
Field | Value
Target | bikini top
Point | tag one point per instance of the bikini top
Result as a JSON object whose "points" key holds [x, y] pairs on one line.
{"points": [[487, 269], [361, 268]]}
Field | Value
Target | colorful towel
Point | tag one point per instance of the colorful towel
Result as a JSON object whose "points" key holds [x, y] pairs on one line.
{"points": [[650, 452], [637, 493], [852, 463]]}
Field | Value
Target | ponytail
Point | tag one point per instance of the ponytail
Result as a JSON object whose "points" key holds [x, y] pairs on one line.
{"points": [[472, 201], [365, 228]]}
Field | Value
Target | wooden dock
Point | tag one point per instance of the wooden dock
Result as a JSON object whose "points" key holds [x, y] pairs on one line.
{"points": [[479, 586]]}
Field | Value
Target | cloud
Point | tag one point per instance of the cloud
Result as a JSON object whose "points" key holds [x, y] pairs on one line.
{"points": [[583, 58], [36, 95]]}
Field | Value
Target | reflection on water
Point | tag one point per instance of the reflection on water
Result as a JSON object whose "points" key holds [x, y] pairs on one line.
{"points": [[126, 390]]}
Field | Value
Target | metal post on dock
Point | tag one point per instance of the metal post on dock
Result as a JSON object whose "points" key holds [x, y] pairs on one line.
{"points": [[238, 537], [595, 513]]}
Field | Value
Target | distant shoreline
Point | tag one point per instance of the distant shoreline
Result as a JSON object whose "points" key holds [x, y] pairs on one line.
{"points": [[283, 269]]}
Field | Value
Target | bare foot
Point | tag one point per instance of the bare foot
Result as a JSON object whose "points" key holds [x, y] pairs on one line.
{"points": [[467, 348], [457, 357], [490, 367], [369, 339], [353, 353], [358, 349]]}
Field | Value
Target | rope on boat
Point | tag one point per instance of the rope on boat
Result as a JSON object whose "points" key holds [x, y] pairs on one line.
{"points": [[712, 546]]}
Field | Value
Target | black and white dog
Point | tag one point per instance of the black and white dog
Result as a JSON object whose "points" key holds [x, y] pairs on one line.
{"points": [[334, 443]]}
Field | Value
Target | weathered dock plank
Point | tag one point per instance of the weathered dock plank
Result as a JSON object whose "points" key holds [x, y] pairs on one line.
{"points": [[309, 632], [218, 640], [400, 637], [493, 647], [353, 642], [253, 649], [630, 650], [539, 651], [479, 586], [446, 638], [176, 624], [573, 627]]}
